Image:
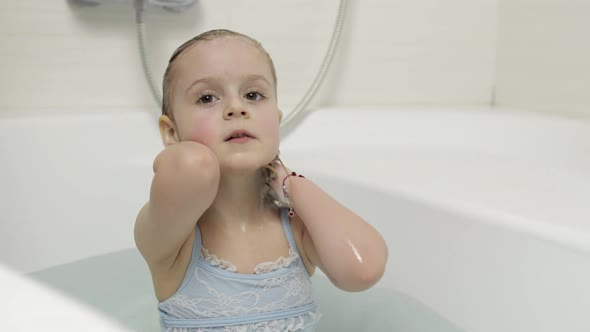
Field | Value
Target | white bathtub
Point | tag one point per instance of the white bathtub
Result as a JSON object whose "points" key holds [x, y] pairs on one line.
{"points": [[484, 211]]}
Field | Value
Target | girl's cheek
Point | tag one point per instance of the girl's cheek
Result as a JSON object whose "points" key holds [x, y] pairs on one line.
{"points": [[271, 132], [271, 126], [200, 131]]}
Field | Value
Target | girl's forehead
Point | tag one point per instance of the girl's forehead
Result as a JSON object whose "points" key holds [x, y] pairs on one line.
{"points": [[224, 56]]}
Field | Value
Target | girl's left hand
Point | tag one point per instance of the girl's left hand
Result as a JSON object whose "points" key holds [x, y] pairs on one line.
{"points": [[281, 171]]}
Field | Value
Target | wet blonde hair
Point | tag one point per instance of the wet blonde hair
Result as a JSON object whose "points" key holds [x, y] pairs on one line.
{"points": [[205, 36]]}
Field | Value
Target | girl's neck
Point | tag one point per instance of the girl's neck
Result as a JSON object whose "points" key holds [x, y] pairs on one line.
{"points": [[238, 200]]}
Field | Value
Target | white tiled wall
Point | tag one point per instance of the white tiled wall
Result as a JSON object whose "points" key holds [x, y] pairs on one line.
{"points": [[530, 54], [544, 56], [57, 56]]}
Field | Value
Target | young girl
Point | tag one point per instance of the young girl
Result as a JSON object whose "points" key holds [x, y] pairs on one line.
{"points": [[230, 235]]}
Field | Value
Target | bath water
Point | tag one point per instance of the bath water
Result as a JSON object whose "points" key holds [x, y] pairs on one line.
{"points": [[119, 285]]}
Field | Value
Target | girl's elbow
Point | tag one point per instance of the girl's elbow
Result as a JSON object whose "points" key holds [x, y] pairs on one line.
{"points": [[363, 278], [368, 274], [368, 277]]}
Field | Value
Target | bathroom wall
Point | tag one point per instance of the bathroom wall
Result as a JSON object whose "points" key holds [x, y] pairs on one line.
{"points": [[544, 56], [58, 56]]}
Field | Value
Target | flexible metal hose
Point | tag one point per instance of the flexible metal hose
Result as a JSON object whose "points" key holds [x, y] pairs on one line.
{"points": [[139, 8], [317, 82], [311, 91], [146, 68]]}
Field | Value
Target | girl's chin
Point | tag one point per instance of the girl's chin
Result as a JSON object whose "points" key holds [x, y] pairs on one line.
{"points": [[239, 165]]}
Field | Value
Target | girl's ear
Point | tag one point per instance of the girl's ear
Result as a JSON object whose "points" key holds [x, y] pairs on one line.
{"points": [[168, 130], [280, 116]]}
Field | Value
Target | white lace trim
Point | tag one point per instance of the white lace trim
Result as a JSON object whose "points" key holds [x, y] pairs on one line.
{"points": [[213, 260], [291, 324], [264, 267]]}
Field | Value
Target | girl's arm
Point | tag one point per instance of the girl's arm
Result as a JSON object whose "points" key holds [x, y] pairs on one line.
{"points": [[343, 245], [186, 177]]}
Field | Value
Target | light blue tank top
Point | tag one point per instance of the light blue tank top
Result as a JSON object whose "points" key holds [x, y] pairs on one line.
{"points": [[213, 299]]}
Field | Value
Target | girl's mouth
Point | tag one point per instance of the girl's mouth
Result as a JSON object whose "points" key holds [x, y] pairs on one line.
{"points": [[239, 136]]}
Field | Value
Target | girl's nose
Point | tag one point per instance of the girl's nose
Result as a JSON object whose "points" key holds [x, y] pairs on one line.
{"points": [[235, 110]]}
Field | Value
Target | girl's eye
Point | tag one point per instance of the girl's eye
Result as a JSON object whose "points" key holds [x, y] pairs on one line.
{"points": [[206, 99], [255, 96]]}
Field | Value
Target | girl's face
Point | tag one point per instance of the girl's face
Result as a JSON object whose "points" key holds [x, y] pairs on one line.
{"points": [[223, 86]]}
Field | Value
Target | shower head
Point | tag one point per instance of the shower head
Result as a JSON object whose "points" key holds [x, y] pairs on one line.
{"points": [[174, 5]]}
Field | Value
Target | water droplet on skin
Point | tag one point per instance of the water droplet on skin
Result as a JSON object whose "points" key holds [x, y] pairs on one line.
{"points": [[355, 251]]}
